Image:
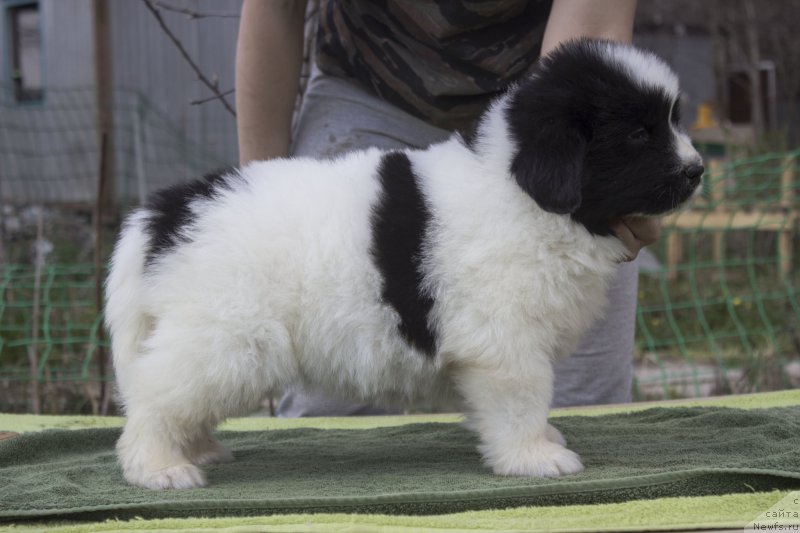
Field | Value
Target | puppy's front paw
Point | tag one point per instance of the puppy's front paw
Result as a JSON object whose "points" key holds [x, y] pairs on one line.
{"points": [[184, 476], [541, 458]]}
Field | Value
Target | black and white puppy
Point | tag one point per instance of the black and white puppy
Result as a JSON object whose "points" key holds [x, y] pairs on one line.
{"points": [[387, 276]]}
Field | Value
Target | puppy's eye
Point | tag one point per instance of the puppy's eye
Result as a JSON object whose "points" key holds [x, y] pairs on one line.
{"points": [[639, 135]]}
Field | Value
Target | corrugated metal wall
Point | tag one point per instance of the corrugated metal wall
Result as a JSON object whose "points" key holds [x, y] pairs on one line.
{"points": [[68, 43], [48, 150], [145, 60]]}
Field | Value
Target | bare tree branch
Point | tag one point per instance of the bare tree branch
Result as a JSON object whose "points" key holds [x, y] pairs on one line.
{"points": [[194, 14], [204, 100], [208, 83]]}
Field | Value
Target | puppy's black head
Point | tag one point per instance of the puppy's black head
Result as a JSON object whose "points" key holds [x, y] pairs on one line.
{"points": [[596, 135]]}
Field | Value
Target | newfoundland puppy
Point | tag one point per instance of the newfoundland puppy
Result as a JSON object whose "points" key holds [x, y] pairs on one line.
{"points": [[464, 268]]}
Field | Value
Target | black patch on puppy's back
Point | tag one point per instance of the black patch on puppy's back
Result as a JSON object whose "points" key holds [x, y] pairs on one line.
{"points": [[170, 211], [399, 223]]}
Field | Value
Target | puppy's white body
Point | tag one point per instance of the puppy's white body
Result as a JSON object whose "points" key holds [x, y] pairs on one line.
{"points": [[274, 284]]}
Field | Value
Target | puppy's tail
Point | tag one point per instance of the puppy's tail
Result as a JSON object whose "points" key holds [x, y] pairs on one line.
{"points": [[125, 317]]}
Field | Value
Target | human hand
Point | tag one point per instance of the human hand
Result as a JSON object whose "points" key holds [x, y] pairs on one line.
{"points": [[636, 232]]}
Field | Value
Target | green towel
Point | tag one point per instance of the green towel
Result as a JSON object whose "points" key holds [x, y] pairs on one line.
{"points": [[411, 469]]}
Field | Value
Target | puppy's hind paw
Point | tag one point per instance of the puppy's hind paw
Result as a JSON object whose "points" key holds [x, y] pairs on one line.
{"points": [[210, 451], [542, 459], [184, 476], [218, 456]]}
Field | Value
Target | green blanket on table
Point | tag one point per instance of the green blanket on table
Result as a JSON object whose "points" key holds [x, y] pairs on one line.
{"points": [[423, 468]]}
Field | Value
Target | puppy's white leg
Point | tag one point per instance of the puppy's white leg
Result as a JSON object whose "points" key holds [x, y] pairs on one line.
{"points": [[172, 402], [509, 412], [195, 372], [151, 454]]}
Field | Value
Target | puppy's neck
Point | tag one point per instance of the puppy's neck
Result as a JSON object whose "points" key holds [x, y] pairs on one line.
{"points": [[493, 146]]}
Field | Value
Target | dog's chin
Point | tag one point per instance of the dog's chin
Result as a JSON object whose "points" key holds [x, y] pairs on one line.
{"points": [[673, 200], [677, 199]]}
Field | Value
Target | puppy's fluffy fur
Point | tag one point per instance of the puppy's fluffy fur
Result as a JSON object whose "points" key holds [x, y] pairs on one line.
{"points": [[386, 276]]}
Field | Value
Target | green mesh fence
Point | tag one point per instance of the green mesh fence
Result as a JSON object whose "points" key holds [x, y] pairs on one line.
{"points": [[720, 314], [718, 308], [50, 328], [50, 333]]}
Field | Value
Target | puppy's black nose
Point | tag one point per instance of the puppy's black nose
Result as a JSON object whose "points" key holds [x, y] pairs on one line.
{"points": [[694, 171]]}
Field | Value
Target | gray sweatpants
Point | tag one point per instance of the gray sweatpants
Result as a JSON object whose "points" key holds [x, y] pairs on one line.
{"points": [[338, 116]]}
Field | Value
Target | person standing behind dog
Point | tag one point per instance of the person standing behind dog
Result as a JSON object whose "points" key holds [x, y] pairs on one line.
{"points": [[395, 74]]}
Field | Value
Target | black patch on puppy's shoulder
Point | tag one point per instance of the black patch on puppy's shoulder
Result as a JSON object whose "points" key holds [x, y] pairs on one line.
{"points": [[399, 224], [170, 211]]}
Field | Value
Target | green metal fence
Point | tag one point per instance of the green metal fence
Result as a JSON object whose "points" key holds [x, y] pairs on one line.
{"points": [[721, 313], [50, 339], [718, 307]]}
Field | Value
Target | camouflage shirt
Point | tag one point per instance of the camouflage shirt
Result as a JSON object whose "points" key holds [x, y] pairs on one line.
{"points": [[440, 60]]}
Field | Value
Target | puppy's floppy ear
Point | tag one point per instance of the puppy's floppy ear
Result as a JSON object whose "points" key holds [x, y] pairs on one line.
{"points": [[550, 169]]}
